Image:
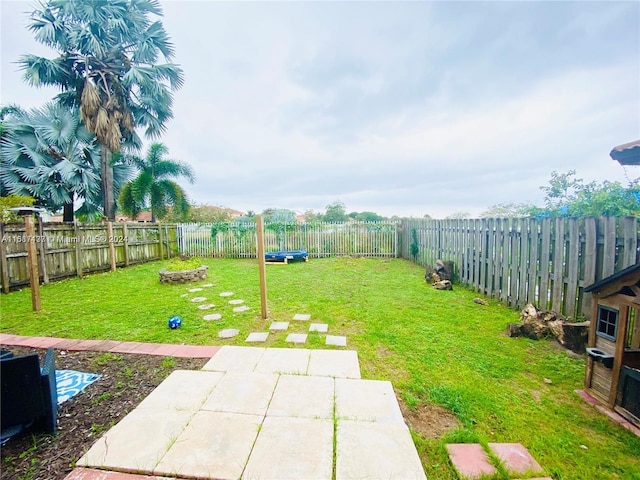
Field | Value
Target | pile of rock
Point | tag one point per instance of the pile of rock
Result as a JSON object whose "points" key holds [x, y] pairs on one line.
{"points": [[537, 324], [440, 276]]}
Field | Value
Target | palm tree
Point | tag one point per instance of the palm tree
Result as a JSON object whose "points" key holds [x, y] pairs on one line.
{"points": [[108, 68], [49, 155], [153, 187]]}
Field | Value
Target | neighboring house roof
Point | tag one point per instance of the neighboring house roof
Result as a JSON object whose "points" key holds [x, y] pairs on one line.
{"points": [[627, 154], [628, 277]]}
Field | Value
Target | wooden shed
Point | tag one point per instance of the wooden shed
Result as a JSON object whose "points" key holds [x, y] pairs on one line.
{"points": [[613, 366]]}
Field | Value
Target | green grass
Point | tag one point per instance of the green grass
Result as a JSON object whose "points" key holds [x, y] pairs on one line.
{"points": [[435, 346]]}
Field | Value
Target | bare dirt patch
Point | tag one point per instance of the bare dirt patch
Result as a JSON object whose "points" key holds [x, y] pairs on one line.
{"points": [[429, 420], [126, 380]]}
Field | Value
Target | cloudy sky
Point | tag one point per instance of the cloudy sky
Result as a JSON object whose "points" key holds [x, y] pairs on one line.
{"points": [[398, 108]]}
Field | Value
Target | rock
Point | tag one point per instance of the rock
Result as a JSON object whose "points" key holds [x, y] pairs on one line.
{"points": [[443, 285], [443, 270], [547, 381], [514, 329], [480, 301]]}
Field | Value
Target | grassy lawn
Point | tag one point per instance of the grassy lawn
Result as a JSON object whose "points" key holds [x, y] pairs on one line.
{"points": [[435, 346]]}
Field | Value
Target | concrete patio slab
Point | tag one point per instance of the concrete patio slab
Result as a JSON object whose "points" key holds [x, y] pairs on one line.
{"points": [[367, 400], [470, 460], [303, 397], [376, 450], [302, 316], [296, 338], [292, 449], [235, 359], [319, 327], [214, 445], [228, 333], [183, 390], [257, 337], [279, 325], [516, 459], [336, 340], [284, 360], [334, 363], [123, 447], [248, 393]]}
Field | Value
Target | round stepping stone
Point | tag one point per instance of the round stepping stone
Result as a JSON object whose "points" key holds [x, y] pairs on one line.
{"points": [[213, 316], [206, 306], [226, 294], [184, 295], [192, 290], [243, 308], [198, 299], [207, 285], [235, 302], [228, 333]]}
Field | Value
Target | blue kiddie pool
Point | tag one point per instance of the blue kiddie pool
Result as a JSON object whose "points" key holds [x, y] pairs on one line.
{"points": [[286, 255]]}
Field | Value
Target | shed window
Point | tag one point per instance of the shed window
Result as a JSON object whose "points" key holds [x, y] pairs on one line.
{"points": [[607, 322]]}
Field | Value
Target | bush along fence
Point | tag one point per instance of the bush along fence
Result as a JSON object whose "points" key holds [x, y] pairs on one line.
{"points": [[238, 240], [547, 262], [69, 250]]}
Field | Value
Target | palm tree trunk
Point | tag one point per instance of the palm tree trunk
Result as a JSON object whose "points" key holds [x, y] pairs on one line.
{"points": [[106, 172], [67, 215]]}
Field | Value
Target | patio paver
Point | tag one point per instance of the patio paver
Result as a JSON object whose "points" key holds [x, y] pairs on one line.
{"points": [[247, 393], [292, 449], [284, 360], [319, 327], [336, 340], [213, 445], [334, 363], [516, 459], [376, 450], [296, 338], [235, 359], [257, 337], [367, 400], [279, 325], [228, 333], [183, 390], [302, 396], [302, 316], [470, 460]]}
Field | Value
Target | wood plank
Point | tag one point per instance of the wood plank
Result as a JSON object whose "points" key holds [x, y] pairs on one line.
{"points": [[482, 257], [629, 230], [42, 243], [4, 263], [523, 263], [79, 236], [573, 250], [589, 263], [534, 269], [506, 252], [558, 269], [545, 259], [623, 318], [125, 237], [513, 264], [609, 250]]}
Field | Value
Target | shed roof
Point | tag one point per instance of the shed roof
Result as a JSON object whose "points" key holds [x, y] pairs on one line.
{"points": [[627, 154], [628, 272]]}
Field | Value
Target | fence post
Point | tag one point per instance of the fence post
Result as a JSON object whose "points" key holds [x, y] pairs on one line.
{"points": [[4, 264], [261, 265], [112, 247], [32, 260]]}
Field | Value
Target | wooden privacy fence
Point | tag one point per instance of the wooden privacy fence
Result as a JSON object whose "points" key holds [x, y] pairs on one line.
{"points": [[238, 240], [546, 261], [69, 250]]}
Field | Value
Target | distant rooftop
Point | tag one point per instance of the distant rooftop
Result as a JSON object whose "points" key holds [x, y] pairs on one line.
{"points": [[627, 154]]}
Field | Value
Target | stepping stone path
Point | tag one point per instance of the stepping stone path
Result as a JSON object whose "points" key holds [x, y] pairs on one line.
{"points": [[198, 299], [319, 327], [336, 340], [471, 461], [213, 316], [208, 285], [257, 337], [302, 316], [235, 302], [193, 290], [206, 306], [243, 308], [228, 333], [279, 325], [226, 294], [296, 338]]}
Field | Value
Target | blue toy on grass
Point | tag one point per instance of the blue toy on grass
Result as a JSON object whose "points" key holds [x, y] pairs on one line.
{"points": [[175, 322]]}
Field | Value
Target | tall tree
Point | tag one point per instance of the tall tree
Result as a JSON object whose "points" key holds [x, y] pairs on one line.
{"points": [[153, 186], [49, 155], [335, 212], [108, 66]]}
